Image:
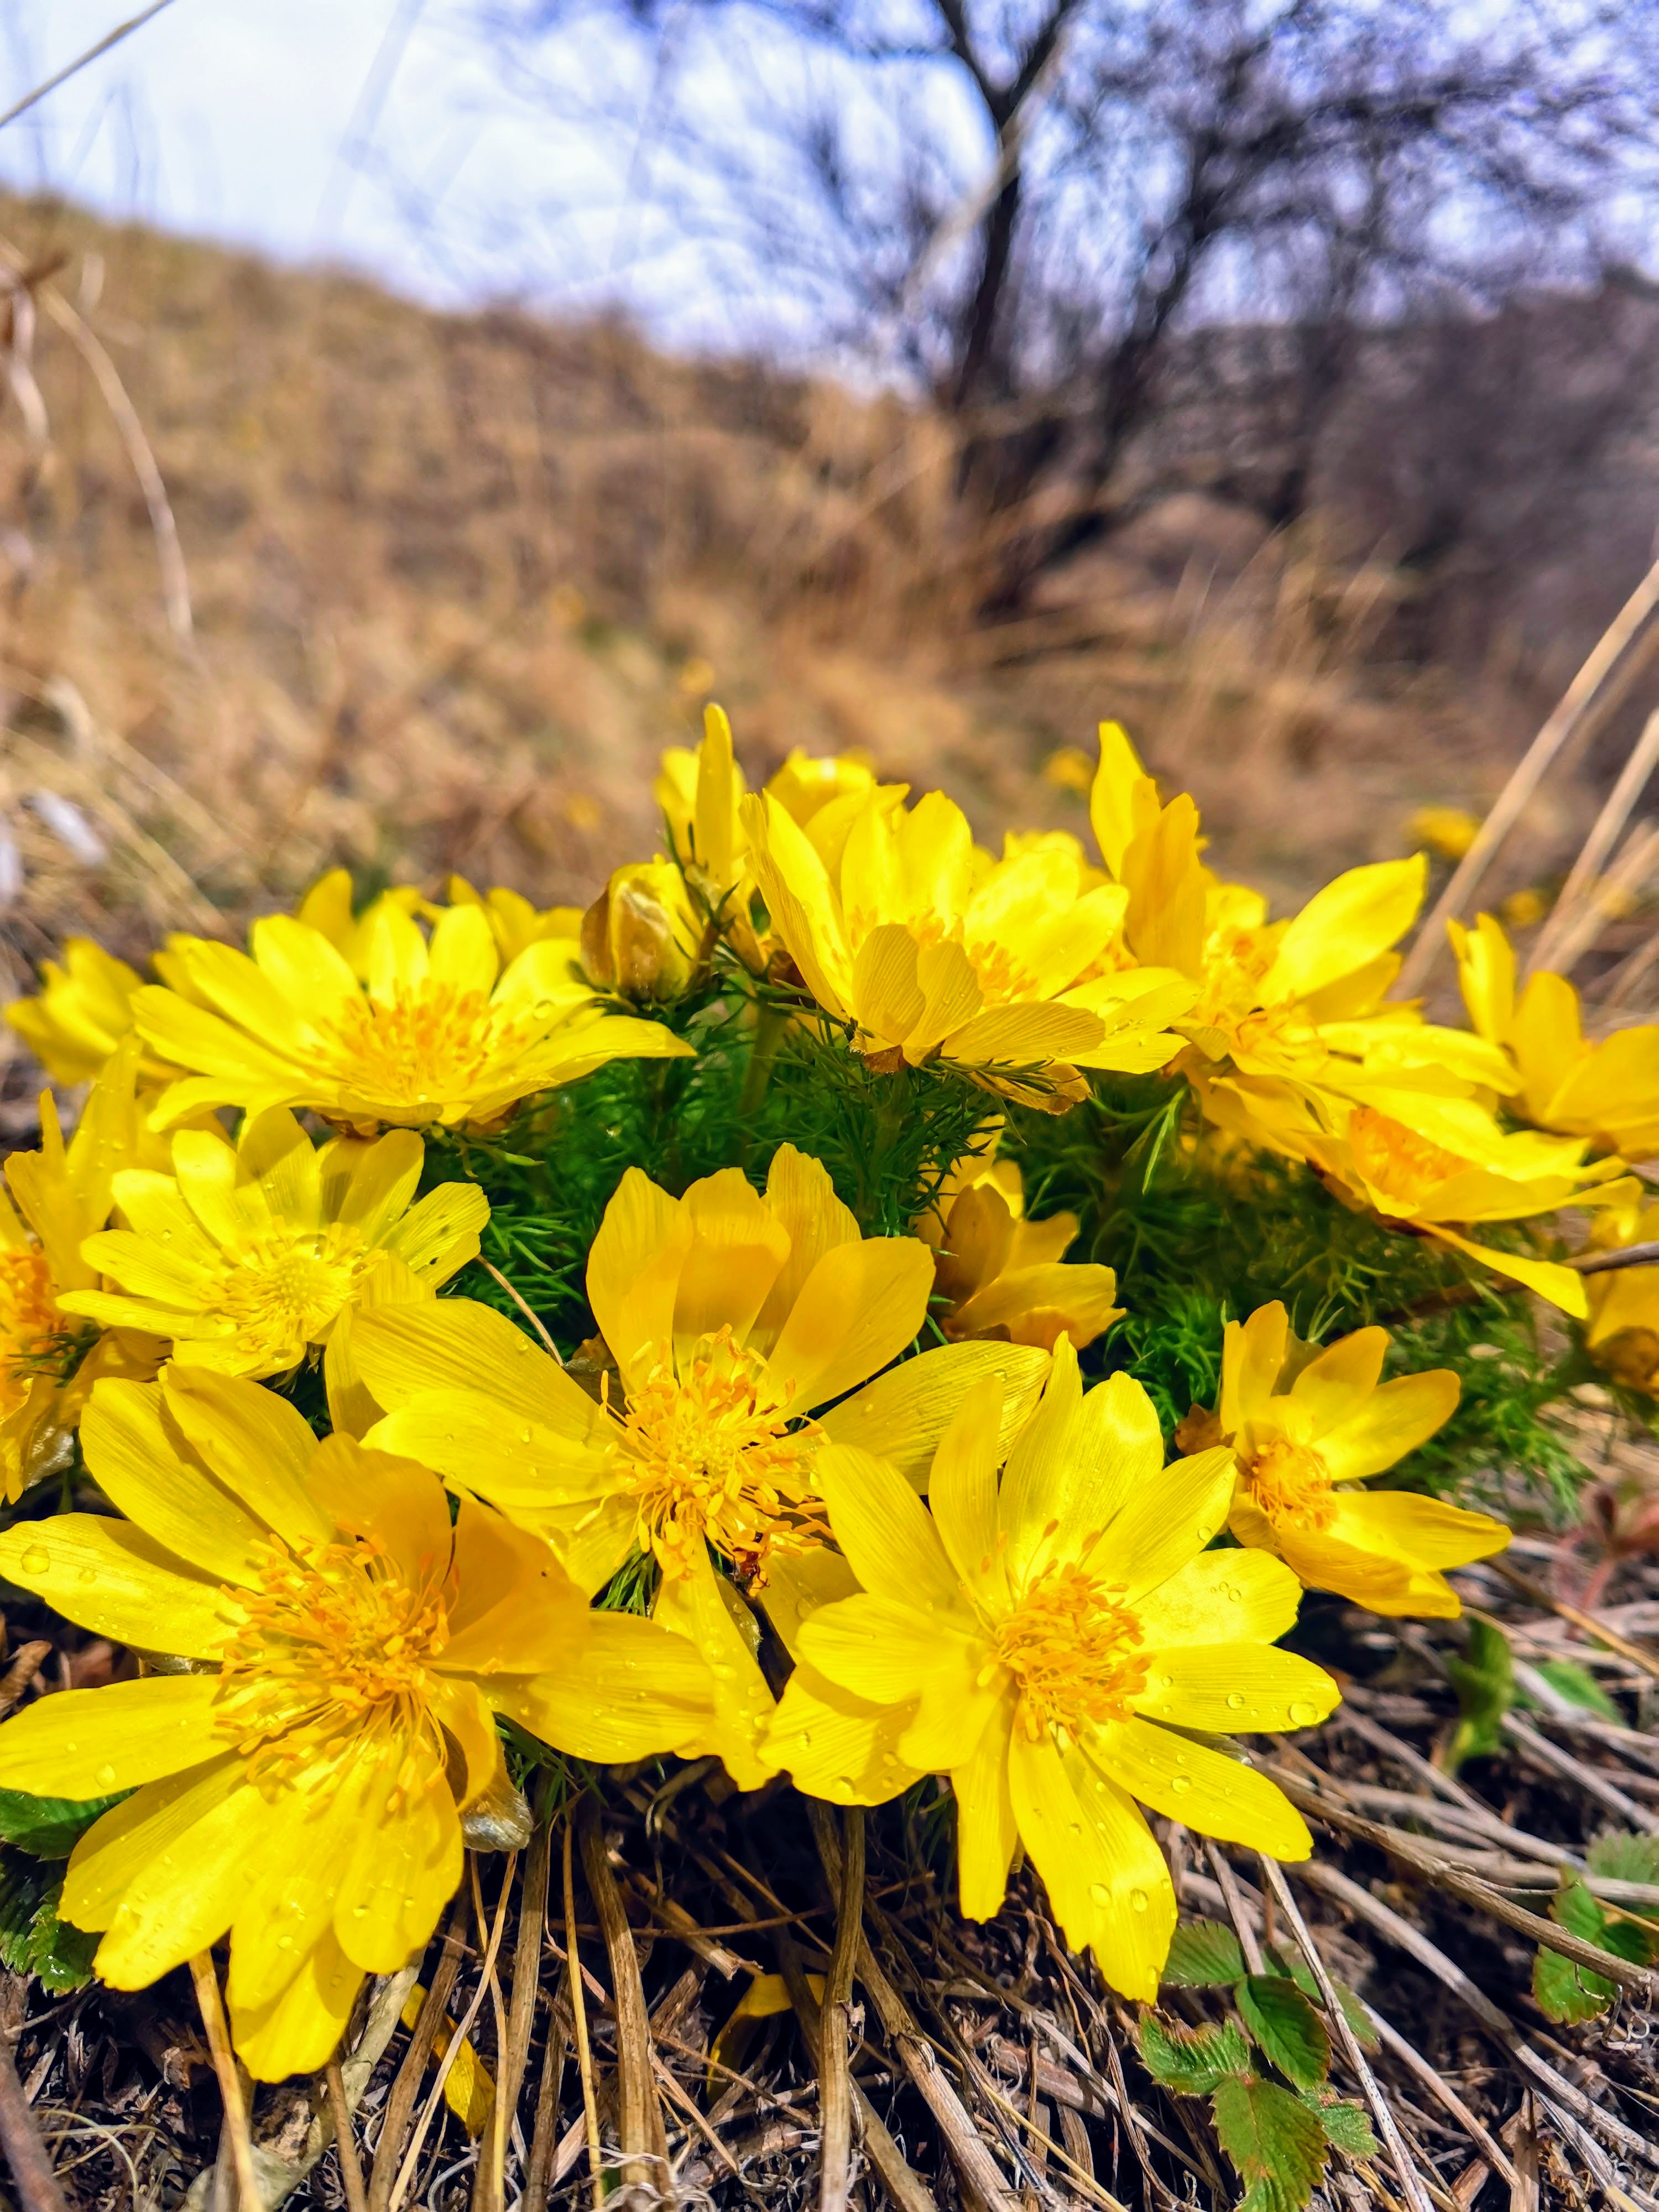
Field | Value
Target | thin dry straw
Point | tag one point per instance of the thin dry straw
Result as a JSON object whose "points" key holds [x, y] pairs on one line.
{"points": [[1615, 641], [1581, 880], [73, 69]]}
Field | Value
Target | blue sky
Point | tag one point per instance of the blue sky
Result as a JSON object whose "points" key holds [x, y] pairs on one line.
{"points": [[227, 118]]}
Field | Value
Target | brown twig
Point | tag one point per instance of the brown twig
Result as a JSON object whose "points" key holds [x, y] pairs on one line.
{"points": [[514, 2049], [579, 2016], [20, 2137], [463, 2028], [73, 69], [400, 2104], [542, 2145], [835, 2092], [203, 1974], [639, 2114], [524, 1306], [487, 2178], [1404, 2164], [1591, 1624], [1581, 882], [351, 2172]]}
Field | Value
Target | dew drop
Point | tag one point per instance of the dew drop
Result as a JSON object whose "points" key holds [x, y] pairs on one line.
{"points": [[106, 1777], [1302, 1714], [1179, 1782], [36, 1559], [1139, 1900], [1235, 1701], [1100, 1893]]}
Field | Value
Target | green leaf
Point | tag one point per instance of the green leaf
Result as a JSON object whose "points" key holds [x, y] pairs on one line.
{"points": [[1276, 2144], [1349, 2127], [1192, 2061], [1574, 1908], [33, 1939], [1625, 1858], [1567, 1991], [1579, 1687], [1290, 2033], [50, 1827], [1293, 1963], [1485, 1682], [1204, 1954]]}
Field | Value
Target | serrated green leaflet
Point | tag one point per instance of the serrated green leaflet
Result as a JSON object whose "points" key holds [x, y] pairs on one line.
{"points": [[1348, 2127], [1353, 2008], [1579, 1687], [1203, 1955], [50, 1827], [1193, 2060], [33, 1939], [1625, 1858], [1567, 1992], [1276, 2142], [1288, 2031]]}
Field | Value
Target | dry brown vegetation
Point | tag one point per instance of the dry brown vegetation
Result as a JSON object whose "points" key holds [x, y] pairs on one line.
{"points": [[456, 580]]}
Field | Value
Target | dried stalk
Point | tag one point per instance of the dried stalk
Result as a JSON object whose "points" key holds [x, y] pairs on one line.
{"points": [[400, 2104], [579, 2015], [515, 2047], [1603, 837], [351, 2172], [538, 2174], [20, 2138], [203, 1974], [1610, 648], [1404, 2164], [835, 2083], [639, 2115]]}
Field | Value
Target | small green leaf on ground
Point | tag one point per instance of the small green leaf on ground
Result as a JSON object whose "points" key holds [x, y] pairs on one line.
{"points": [[50, 1827], [1193, 2061], [1293, 1963], [1276, 2144], [1485, 1682], [1625, 1858], [1203, 1955], [1348, 2127], [1289, 2033], [1579, 1688], [33, 1939]]}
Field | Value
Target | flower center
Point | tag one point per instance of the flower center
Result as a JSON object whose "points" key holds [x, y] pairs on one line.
{"points": [[1394, 1159], [31, 1327], [1001, 979], [1292, 1484], [282, 1291], [1071, 1647], [428, 1043], [709, 1455], [331, 1643]]}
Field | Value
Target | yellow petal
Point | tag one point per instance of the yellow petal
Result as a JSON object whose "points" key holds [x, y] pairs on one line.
{"points": [[1221, 1597], [737, 1249], [1393, 1421], [139, 1464], [1166, 1524], [631, 1689], [1027, 1509], [1121, 799], [1252, 1357], [885, 1652], [797, 1584], [1186, 1781], [148, 1825], [902, 1414], [858, 1310], [1116, 1453], [1347, 925], [1338, 1382], [109, 1576], [258, 1445], [456, 1344], [633, 1269], [887, 997], [286, 1900], [180, 1901], [1420, 1532], [306, 969], [963, 1490], [1228, 1688], [885, 1530], [1557, 1285], [384, 1178], [403, 1870], [950, 999], [838, 1746], [463, 952], [524, 1469], [440, 1232], [1106, 1879], [398, 1506], [988, 1832], [298, 2031], [803, 1201], [275, 1150], [697, 1608], [89, 1743]]}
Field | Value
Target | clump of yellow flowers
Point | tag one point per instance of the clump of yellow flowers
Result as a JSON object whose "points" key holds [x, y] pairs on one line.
{"points": [[728, 1321]]}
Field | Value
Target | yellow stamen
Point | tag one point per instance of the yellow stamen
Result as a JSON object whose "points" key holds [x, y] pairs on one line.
{"points": [[711, 1457], [31, 1327], [1070, 1642], [283, 1289], [430, 1040], [331, 1643], [1292, 1484], [1395, 1160]]}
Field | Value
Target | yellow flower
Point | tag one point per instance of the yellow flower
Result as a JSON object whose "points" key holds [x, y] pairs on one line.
{"points": [[1446, 1168], [248, 1255], [303, 1789], [1448, 831], [1032, 1640], [1004, 1276], [1525, 909], [513, 921], [928, 952], [639, 938], [1607, 1092], [1623, 1335], [729, 1319], [1298, 1001], [82, 1011], [327, 909], [438, 1035], [1069, 768], [49, 1360], [699, 794], [1300, 1421]]}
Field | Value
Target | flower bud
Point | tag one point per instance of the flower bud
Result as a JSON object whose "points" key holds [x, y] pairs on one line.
{"points": [[639, 935]]}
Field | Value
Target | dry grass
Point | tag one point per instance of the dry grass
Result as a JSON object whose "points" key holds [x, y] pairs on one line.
{"points": [[457, 580]]}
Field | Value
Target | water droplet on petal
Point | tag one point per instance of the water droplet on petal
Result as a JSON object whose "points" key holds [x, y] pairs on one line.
{"points": [[1302, 1714], [1139, 1900], [36, 1559], [1179, 1782], [1235, 1701]]}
